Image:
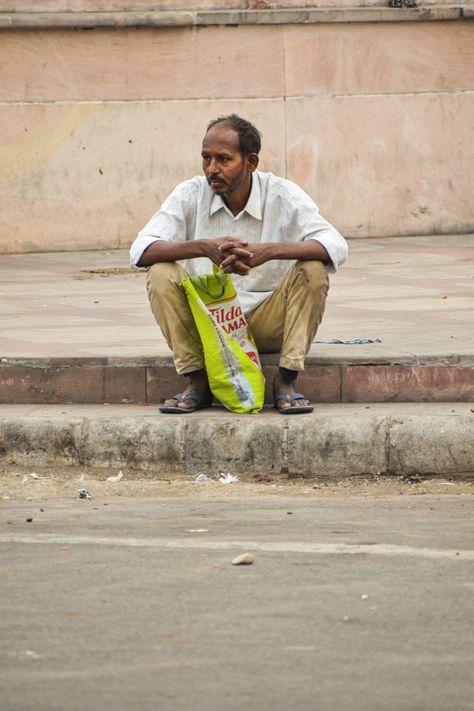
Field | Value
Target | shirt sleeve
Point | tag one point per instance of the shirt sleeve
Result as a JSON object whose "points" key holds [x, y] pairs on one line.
{"points": [[306, 222], [173, 221], [334, 244]]}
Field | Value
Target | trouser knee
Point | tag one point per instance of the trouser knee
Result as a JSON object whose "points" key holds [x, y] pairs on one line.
{"points": [[313, 272], [162, 276], [313, 275]]}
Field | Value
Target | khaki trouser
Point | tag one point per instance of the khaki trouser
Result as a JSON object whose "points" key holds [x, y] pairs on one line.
{"points": [[285, 323]]}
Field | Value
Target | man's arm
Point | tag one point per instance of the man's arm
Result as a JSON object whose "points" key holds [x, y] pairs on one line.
{"points": [[235, 257], [168, 251], [168, 235]]}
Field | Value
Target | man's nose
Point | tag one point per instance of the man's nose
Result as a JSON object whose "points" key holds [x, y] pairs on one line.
{"points": [[213, 169]]}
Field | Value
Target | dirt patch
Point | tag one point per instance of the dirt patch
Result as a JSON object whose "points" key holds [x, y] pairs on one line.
{"points": [[106, 272], [60, 484]]}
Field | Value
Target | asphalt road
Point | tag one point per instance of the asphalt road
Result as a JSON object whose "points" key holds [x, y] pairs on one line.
{"points": [[353, 603]]}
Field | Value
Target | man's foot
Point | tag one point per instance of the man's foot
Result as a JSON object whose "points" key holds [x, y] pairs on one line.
{"points": [[196, 396], [286, 400]]}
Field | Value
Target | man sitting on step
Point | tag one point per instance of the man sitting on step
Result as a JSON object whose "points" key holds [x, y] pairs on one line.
{"points": [[263, 230]]}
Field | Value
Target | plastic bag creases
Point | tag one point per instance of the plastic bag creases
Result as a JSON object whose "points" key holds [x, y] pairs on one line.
{"points": [[230, 354]]}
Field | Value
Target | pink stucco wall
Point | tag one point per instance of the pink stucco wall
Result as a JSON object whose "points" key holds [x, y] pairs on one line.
{"points": [[373, 119]]}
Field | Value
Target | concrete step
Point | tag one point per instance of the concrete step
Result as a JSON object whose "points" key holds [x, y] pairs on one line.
{"points": [[335, 441], [152, 380]]}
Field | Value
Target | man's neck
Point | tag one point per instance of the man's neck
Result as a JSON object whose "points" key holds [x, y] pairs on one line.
{"points": [[238, 199]]}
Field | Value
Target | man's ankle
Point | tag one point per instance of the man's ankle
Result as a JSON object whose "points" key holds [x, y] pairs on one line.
{"points": [[196, 374], [287, 375], [198, 381]]}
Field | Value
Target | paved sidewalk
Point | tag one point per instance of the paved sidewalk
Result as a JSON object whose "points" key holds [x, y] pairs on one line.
{"points": [[415, 294]]}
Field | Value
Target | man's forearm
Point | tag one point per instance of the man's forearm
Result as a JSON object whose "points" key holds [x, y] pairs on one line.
{"points": [[165, 251], [252, 255], [307, 250], [240, 261]]}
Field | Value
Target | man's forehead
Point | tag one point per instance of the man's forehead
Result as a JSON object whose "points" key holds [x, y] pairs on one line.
{"points": [[221, 136]]}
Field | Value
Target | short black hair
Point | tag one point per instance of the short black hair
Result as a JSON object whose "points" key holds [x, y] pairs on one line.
{"points": [[249, 135]]}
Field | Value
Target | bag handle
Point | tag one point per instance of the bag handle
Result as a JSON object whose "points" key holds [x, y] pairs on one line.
{"points": [[214, 285]]}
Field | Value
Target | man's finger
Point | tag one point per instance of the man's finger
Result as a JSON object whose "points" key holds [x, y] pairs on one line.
{"points": [[241, 268], [236, 267], [227, 262], [232, 243], [238, 252]]}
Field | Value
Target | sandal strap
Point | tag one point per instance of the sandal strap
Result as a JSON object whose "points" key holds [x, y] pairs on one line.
{"points": [[289, 398], [190, 396]]}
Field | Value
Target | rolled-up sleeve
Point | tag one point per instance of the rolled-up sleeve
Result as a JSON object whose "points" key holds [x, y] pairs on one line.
{"points": [[170, 223], [334, 244], [141, 243], [306, 222]]}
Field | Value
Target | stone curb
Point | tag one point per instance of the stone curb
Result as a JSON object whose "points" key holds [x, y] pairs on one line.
{"points": [[334, 441], [205, 18]]}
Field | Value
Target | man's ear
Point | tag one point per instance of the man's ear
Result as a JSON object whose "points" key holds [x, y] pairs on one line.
{"points": [[252, 162]]}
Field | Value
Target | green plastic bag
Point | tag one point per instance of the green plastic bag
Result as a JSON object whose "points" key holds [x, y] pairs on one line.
{"points": [[230, 354]]}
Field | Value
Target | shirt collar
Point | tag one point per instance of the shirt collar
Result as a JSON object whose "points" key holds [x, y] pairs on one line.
{"points": [[253, 206]]}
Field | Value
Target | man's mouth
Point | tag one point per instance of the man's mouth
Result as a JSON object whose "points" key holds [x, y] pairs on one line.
{"points": [[215, 182]]}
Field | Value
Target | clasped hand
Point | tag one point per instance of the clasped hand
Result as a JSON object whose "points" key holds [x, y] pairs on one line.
{"points": [[235, 256]]}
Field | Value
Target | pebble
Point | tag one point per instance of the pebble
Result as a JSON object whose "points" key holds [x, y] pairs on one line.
{"points": [[243, 559]]}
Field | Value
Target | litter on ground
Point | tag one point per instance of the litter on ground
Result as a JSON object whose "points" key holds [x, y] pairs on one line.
{"points": [[228, 478], [115, 478], [201, 478]]}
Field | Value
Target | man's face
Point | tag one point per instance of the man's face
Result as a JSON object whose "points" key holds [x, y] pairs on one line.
{"points": [[224, 166]]}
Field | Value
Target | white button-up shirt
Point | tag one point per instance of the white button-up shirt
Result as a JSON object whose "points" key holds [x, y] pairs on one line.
{"points": [[277, 210]]}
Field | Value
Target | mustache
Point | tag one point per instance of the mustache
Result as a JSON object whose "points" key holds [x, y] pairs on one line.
{"points": [[215, 180]]}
